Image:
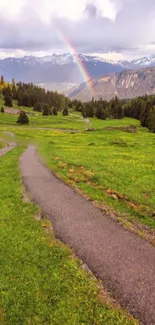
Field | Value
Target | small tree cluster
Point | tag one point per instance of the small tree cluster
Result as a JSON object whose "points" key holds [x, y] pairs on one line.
{"points": [[103, 109]]}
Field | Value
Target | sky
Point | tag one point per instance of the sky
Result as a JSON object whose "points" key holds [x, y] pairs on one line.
{"points": [[114, 29]]}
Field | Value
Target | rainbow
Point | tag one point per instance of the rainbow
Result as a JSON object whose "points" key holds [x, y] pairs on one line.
{"points": [[85, 75]]}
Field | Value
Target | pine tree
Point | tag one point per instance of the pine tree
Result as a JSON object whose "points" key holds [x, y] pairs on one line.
{"points": [[151, 120], [2, 81], [22, 118], [13, 81], [8, 101], [46, 109], [37, 107], [55, 111], [145, 114]]}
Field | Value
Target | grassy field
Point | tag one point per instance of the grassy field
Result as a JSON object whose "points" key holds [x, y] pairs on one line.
{"points": [[41, 282], [114, 167], [70, 122]]}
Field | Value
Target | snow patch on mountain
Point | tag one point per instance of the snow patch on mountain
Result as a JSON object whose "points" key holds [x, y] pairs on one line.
{"points": [[145, 61]]}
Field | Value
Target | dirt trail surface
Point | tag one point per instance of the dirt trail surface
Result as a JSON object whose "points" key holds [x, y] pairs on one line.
{"points": [[124, 261], [9, 147]]}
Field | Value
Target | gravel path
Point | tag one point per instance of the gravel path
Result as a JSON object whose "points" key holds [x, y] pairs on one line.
{"points": [[124, 261], [9, 147]]}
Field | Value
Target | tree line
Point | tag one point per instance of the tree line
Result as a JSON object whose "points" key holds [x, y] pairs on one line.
{"points": [[49, 102], [141, 108], [30, 95]]}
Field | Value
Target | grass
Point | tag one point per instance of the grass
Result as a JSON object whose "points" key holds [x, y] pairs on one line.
{"points": [[41, 282], [101, 124], [2, 144], [120, 164], [52, 122], [120, 168]]}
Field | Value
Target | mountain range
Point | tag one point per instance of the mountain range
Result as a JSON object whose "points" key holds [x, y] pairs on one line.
{"points": [[63, 68], [126, 79], [125, 85]]}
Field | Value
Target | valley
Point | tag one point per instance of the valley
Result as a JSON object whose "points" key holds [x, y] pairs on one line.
{"points": [[77, 162]]}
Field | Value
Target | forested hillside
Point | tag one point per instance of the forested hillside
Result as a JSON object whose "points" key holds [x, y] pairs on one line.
{"points": [[49, 102]]}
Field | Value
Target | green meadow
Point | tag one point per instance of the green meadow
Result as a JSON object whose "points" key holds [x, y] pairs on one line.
{"points": [[41, 281], [114, 167]]}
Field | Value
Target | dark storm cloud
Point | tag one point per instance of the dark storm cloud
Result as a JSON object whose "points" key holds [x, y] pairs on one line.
{"points": [[133, 27]]}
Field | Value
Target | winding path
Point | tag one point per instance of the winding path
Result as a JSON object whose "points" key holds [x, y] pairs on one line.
{"points": [[122, 260], [8, 148]]}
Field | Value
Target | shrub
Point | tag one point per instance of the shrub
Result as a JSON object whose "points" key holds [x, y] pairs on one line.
{"points": [[2, 110], [65, 111], [55, 111]]}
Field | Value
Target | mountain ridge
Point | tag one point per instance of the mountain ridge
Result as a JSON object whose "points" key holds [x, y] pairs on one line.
{"points": [[125, 85], [55, 68]]}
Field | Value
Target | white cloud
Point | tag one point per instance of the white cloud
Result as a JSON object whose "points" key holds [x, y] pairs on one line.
{"points": [[70, 9], [126, 27]]}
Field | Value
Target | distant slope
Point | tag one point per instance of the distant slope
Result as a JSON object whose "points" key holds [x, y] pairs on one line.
{"points": [[62, 88], [126, 84]]}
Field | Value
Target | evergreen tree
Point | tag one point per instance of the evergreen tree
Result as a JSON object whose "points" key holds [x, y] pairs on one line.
{"points": [[13, 81], [37, 107], [145, 114], [55, 111], [2, 81], [84, 114], [46, 109], [8, 101], [22, 118], [14, 92], [151, 120], [99, 109]]}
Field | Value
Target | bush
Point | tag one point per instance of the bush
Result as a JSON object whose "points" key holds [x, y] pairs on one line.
{"points": [[65, 111], [2, 110], [22, 118]]}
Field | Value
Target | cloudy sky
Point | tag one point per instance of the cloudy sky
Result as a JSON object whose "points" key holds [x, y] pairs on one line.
{"points": [[115, 29]]}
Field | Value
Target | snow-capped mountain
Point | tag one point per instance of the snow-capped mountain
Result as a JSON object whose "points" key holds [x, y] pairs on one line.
{"points": [[60, 59], [145, 61], [62, 68], [55, 68]]}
